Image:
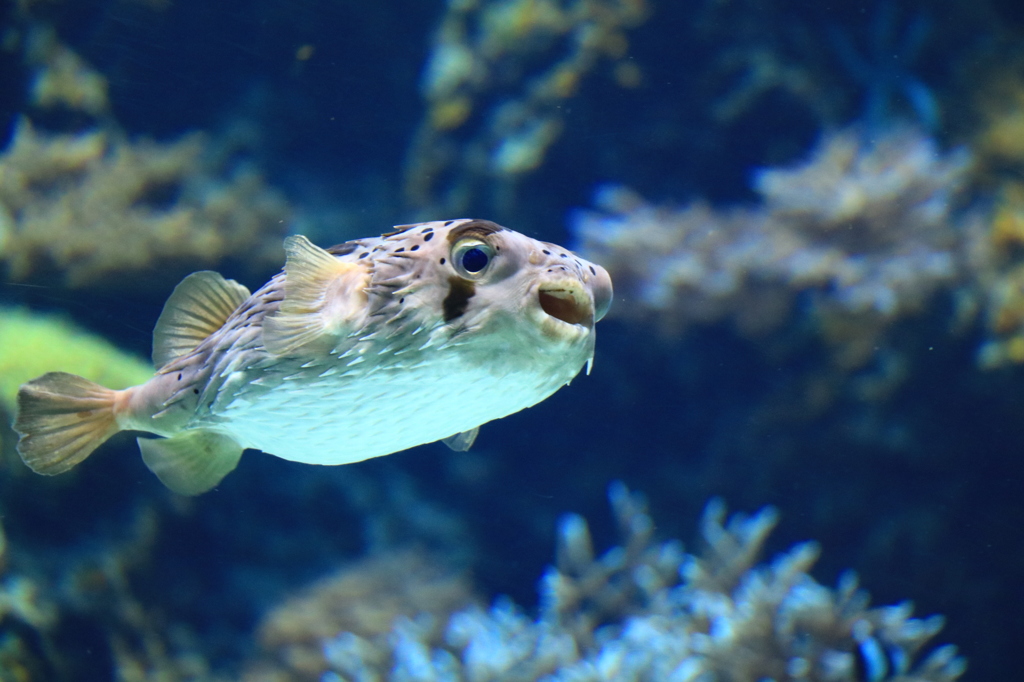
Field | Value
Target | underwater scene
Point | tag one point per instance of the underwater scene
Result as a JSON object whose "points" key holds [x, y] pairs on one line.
{"points": [[794, 453]]}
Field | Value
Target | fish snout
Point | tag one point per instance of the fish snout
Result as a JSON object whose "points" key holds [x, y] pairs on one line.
{"points": [[601, 288], [566, 300], [577, 301]]}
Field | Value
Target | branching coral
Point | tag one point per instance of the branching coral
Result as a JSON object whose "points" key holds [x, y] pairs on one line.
{"points": [[93, 203], [97, 584], [90, 202], [649, 611], [997, 244], [20, 598], [866, 230], [363, 600], [62, 78], [1000, 135], [883, 68], [996, 250], [47, 615], [494, 82], [24, 614], [880, 61]]}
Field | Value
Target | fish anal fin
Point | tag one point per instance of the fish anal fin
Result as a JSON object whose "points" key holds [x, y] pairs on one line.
{"points": [[323, 296], [191, 462], [61, 419], [463, 440], [199, 306]]}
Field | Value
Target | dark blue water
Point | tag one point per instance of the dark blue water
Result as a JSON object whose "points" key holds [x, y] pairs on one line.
{"points": [[917, 488]]}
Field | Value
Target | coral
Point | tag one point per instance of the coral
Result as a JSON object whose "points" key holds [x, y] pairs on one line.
{"points": [[866, 231], [47, 615], [997, 244], [62, 78], [96, 583], [1000, 135], [363, 599], [34, 344], [24, 614], [883, 69], [996, 249], [497, 75], [879, 62], [649, 611], [20, 597], [755, 71], [92, 204]]}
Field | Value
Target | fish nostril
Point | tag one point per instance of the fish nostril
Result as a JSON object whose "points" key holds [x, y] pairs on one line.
{"points": [[562, 305]]}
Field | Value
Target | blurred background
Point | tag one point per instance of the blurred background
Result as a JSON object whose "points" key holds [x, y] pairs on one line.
{"points": [[813, 215]]}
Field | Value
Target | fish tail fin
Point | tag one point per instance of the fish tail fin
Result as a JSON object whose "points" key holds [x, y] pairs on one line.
{"points": [[61, 419]]}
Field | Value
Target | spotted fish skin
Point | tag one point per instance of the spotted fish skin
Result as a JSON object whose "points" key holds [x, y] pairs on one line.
{"points": [[357, 351]]}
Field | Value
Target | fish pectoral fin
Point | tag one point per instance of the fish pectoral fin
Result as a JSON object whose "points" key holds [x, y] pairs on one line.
{"points": [[192, 462], [322, 296], [199, 306], [462, 440]]}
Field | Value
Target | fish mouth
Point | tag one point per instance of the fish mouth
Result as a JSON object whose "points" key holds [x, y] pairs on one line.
{"points": [[566, 301]]}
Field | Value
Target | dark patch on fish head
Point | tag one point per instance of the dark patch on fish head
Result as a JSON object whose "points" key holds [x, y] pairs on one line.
{"points": [[473, 228], [460, 291]]}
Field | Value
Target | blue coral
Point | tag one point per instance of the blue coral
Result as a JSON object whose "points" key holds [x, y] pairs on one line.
{"points": [[885, 67], [861, 229], [649, 611]]}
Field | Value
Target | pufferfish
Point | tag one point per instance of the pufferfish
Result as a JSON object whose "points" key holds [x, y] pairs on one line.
{"points": [[357, 351]]}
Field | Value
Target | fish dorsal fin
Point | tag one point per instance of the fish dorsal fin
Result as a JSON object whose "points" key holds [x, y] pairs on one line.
{"points": [[192, 462], [463, 440], [321, 295], [199, 306]]}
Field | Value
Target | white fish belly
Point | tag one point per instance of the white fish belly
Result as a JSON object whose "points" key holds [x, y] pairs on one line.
{"points": [[337, 420]]}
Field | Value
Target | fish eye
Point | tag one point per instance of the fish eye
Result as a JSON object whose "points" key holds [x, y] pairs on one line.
{"points": [[474, 260], [471, 257]]}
